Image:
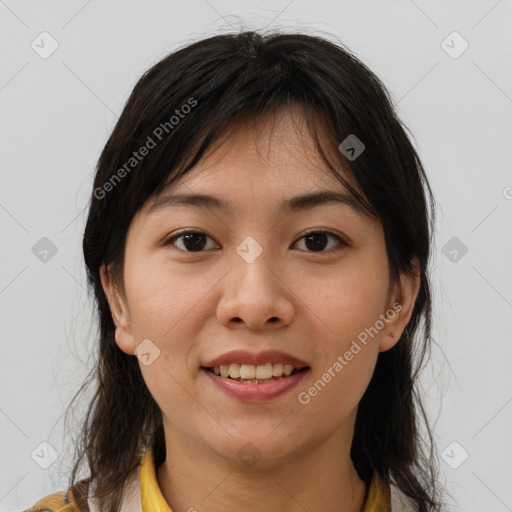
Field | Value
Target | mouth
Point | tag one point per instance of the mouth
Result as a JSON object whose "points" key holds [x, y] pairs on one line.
{"points": [[255, 377], [255, 374], [249, 383]]}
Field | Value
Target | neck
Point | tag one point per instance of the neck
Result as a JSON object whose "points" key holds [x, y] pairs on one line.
{"points": [[321, 479]]}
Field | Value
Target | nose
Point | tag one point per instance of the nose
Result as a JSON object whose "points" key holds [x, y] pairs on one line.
{"points": [[257, 294]]}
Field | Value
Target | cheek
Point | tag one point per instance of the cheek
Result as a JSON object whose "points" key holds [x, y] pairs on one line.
{"points": [[159, 298], [351, 301], [161, 308], [168, 307], [348, 309]]}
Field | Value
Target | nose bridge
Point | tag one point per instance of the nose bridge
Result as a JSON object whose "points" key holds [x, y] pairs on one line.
{"points": [[250, 250], [253, 264], [255, 292]]}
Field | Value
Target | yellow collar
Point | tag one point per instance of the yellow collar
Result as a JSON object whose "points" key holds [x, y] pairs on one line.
{"points": [[152, 498]]}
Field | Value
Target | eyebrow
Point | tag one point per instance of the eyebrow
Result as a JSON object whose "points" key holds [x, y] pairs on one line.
{"points": [[292, 204]]}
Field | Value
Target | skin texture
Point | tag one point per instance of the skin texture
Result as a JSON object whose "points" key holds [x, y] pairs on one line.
{"points": [[195, 306]]}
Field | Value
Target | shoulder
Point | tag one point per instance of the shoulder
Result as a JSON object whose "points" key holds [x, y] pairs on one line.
{"points": [[72, 500]]}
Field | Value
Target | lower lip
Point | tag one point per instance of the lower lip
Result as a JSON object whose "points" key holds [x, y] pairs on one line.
{"points": [[253, 391]]}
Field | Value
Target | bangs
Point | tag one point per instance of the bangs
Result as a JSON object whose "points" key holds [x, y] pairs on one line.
{"points": [[213, 138]]}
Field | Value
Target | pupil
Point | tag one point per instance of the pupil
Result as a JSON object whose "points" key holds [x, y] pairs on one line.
{"points": [[192, 236], [313, 236]]}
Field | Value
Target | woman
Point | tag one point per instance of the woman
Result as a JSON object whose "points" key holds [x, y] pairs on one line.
{"points": [[258, 245]]}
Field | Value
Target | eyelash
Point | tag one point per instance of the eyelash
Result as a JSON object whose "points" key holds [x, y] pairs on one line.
{"points": [[341, 240]]}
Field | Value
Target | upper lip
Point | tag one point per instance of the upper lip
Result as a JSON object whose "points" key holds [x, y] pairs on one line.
{"points": [[245, 357]]}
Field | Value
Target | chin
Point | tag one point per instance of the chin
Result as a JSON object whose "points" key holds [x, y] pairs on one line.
{"points": [[260, 448]]}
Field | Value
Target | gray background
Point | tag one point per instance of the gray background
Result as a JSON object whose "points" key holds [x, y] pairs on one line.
{"points": [[57, 112]]}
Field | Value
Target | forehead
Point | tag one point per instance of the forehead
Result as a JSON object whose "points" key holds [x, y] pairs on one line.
{"points": [[278, 144], [269, 158]]}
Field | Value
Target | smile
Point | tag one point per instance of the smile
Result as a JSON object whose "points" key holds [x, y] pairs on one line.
{"points": [[254, 373]]}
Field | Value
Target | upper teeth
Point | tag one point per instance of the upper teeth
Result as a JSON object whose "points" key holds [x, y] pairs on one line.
{"points": [[251, 371]]}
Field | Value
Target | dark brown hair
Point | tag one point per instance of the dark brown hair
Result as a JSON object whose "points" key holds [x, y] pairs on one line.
{"points": [[226, 79]]}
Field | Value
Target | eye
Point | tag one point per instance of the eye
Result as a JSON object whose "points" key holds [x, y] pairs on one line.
{"points": [[193, 241], [316, 240]]}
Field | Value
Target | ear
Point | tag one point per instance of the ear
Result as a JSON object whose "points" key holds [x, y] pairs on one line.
{"points": [[400, 308], [120, 313]]}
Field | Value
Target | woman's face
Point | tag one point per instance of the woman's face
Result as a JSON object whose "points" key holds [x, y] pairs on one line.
{"points": [[258, 276]]}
